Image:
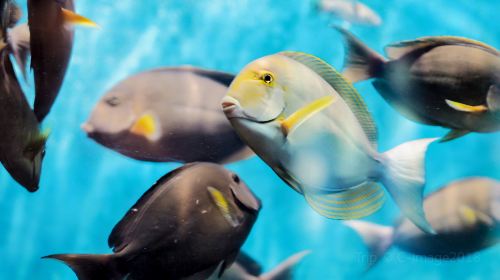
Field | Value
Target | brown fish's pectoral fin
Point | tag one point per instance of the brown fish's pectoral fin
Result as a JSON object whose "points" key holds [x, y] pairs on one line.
{"points": [[475, 109], [73, 18], [223, 205], [146, 126], [472, 217], [303, 114], [453, 134]]}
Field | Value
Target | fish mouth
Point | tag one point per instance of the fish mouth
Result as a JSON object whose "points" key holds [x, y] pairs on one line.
{"points": [[232, 109]]}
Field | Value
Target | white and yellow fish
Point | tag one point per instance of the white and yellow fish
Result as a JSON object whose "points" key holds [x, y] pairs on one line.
{"points": [[313, 129]]}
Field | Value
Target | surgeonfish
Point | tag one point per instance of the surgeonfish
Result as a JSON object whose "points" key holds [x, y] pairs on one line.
{"points": [[22, 144], [191, 223], [245, 268], [313, 129], [444, 81], [51, 41], [168, 114], [352, 11], [465, 215]]}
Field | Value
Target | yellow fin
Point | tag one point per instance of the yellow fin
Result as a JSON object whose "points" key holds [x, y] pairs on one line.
{"points": [[223, 205], [466, 108], [76, 19], [146, 126], [350, 204], [472, 216], [304, 113]]}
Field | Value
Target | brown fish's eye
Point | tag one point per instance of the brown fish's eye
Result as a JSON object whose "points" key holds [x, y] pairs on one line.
{"points": [[267, 78], [236, 178], [113, 101]]}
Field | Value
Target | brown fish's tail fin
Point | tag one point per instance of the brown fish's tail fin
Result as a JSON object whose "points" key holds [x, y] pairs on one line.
{"points": [[90, 267], [361, 62], [284, 271], [493, 100], [377, 238]]}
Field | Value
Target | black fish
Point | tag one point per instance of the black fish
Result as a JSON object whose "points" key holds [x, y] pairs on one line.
{"points": [[190, 223], [22, 145], [465, 215], [444, 81]]}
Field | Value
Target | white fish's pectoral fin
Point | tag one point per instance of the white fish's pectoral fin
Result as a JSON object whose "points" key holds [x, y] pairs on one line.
{"points": [[147, 126], [73, 18], [453, 134], [475, 109], [355, 203], [303, 114]]}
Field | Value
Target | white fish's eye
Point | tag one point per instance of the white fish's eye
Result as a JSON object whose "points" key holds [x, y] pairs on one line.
{"points": [[267, 78]]}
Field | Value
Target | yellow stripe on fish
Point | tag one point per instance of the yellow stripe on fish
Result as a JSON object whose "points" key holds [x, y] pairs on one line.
{"points": [[306, 112], [350, 204], [223, 205], [466, 108]]}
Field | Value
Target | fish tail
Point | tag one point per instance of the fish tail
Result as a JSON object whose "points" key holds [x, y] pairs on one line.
{"points": [[404, 178], [493, 99], [361, 62], [377, 238], [284, 271], [90, 267]]}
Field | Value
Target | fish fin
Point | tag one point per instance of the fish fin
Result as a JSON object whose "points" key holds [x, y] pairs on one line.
{"points": [[404, 178], [307, 111], [361, 62], [147, 126], [73, 18], [249, 264], [397, 50], [453, 134], [493, 99], [19, 41], [223, 205], [471, 216], [475, 109], [246, 197], [377, 238], [343, 87], [349, 204], [284, 271], [90, 267]]}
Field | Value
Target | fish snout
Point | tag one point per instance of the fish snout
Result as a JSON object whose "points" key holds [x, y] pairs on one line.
{"points": [[231, 107], [88, 128]]}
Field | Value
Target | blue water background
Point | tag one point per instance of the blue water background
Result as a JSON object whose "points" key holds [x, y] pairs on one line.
{"points": [[86, 189]]}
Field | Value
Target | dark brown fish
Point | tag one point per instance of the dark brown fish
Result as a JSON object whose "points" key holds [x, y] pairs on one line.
{"points": [[22, 145], [444, 81], [192, 222], [465, 215], [51, 45]]}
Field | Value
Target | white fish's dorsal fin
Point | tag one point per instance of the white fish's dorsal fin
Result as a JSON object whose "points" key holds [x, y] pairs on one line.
{"points": [[350, 204], [397, 50], [343, 87]]}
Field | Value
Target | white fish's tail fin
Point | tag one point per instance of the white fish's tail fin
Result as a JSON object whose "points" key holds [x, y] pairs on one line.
{"points": [[284, 271], [361, 62], [404, 178], [377, 238]]}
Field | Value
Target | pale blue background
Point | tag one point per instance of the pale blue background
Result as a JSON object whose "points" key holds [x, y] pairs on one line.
{"points": [[85, 188]]}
